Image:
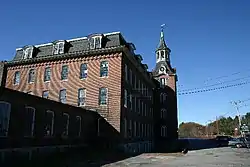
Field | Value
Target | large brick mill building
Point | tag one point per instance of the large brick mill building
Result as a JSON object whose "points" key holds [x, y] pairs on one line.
{"points": [[102, 73]]}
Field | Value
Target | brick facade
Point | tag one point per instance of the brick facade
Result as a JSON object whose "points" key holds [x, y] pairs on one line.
{"points": [[92, 83]]}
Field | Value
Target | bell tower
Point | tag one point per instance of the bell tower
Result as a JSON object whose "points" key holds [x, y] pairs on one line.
{"points": [[162, 51], [163, 71]]}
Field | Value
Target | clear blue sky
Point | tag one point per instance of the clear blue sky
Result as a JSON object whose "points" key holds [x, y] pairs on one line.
{"points": [[208, 39]]}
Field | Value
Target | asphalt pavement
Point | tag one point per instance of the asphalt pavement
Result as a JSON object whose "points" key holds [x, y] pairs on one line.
{"points": [[216, 157]]}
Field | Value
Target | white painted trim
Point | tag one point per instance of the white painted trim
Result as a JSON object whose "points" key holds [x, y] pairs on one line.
{"points": [[70, 40]]}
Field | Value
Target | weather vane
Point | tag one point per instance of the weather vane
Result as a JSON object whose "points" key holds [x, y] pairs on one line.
{"points": [[162, 26]]}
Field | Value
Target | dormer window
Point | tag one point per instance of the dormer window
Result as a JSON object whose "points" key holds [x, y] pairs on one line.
{"points": [[95, 42], [28, 52], [58, 48]]}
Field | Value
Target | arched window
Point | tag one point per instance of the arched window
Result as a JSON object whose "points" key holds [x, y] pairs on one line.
{"points": [[49, 123], [65, 132], [78, 125], [29, 121], [5, 109]]}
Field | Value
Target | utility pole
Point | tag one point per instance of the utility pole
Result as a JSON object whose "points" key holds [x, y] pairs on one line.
{"points": [[238, 113], [217, 126]]}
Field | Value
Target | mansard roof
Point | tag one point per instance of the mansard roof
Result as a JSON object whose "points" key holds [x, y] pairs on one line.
{"points": [[76, 45]]}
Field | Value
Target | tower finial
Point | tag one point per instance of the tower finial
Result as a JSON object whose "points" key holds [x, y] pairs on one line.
{"points": [[162, 28]]}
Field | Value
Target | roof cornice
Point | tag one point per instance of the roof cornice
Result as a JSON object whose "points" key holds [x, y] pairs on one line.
{"points": [[66, 55]]}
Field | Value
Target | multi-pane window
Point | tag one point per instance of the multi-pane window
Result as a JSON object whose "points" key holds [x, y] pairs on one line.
{"points": [[83, 71], [163, 113], [125, 128], [78, 125], [27, 53], [45, 94], [125, 98], [104, 69], [130, 128], [126, 72], [130, 101], [163, 131], [29, 121], [17, 78], [62, 96], [31, 77], [49, 123], [64, 72], [81, 97], [95, 42], [5, 109], [47, 74], [103, 96], [163, 81], [130, 76], [135, 133], [58, 48], [65, 125]]}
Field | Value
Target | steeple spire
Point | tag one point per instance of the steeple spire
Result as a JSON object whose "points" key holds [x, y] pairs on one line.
{"points": [[162, 43]]}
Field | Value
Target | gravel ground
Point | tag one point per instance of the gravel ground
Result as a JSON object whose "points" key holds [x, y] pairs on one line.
{"points": [[217, 157]]}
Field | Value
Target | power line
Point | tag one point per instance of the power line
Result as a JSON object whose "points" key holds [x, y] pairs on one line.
{"points": [[184, 90], [214, 89], [226, 76]]}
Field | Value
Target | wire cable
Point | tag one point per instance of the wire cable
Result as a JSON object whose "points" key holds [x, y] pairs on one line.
{"points": [[237, 79], [214, 89]]}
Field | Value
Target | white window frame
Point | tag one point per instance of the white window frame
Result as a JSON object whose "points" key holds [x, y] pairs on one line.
{"points": [[33, 120], [8, 116], [100, 95], [46, 74], [83, 71], [43, 94], [52, 122], [57, 49], [17, 79], [94, 45], [60, 96], [67, 124], [104, 63], [80, 125], [29, 76], [28, 53], [125, 98], [84, 96]]}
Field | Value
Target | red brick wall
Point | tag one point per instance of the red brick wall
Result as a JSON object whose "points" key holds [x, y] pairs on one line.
{"points": [[73, 83]]}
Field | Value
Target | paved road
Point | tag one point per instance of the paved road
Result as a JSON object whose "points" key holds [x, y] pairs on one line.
{"points": [[217, 157]]}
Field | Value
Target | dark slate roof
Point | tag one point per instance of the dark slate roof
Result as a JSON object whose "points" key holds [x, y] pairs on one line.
{"points": [[109, 40]]}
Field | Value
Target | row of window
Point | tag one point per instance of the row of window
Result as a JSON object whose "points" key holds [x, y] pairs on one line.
{"points": [[30, 121], [137, 129], [64, 73], [81, 101], [95, 42], [136, 104], [136, 83]]}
